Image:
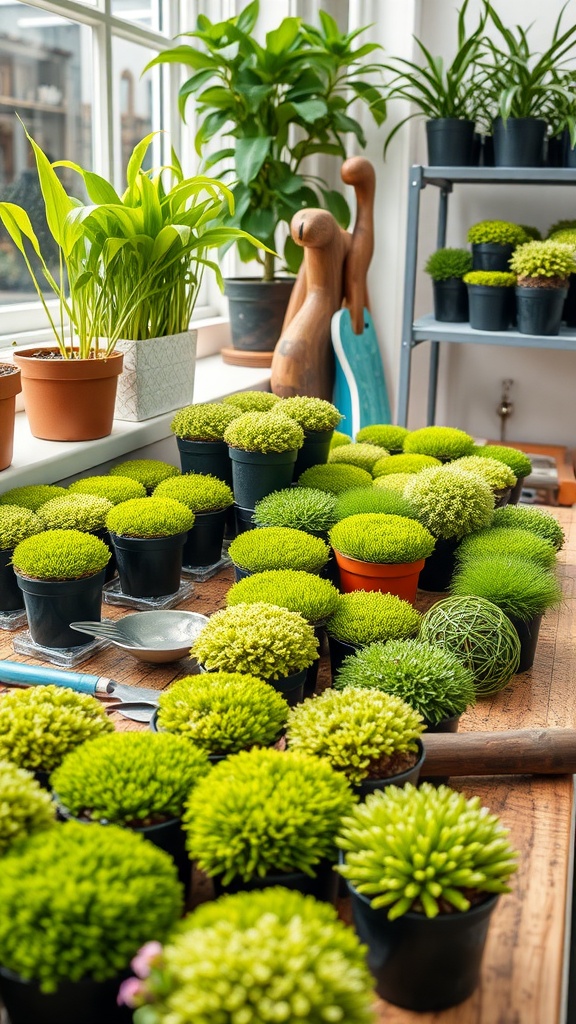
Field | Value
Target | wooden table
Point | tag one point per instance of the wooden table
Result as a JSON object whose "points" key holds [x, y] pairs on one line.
{"points": [[524, 970]]}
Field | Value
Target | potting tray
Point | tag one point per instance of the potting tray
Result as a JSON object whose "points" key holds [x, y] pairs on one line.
{"points": [[200, 573], [64, 657], [112, 594]]}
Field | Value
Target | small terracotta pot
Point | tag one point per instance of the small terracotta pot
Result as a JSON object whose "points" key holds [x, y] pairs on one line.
{"points": [[69, 399], [10, 386], [399, 578]]}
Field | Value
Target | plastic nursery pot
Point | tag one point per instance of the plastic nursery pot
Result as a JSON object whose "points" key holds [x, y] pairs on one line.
{"points": [[421, 963], [208, 457], [11, 598], [312, 671], [539, 310], [91, 1002], [243, 519], [528, 633], [410, 775], [339, 650], [256, 474], [10, 386], [516, 491], [323, 885], [204, 542], [439, 566], [490, 308], [257, 310], [519, 142], [569, 310], [450, 142], [502, 497], [51, 605], [149, 566], [110, 570], [491, 256], [444, 725], [314, 451], [291, 687], [399, 578], [450, 301], [555, 151]]}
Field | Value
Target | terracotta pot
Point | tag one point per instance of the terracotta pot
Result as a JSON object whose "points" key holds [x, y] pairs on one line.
{"points": [[69, 399], [10, 386], [400, 578]]}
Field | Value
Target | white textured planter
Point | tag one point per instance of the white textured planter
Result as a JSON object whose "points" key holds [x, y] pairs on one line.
{"points": [[158, 376]]}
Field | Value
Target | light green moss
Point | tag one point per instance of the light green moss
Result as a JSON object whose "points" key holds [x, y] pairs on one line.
{"points": [[316, 599], [148, 472], [527, 517], [252, 401], [264, 432], [377, 537], [86, 512], [450, 502], [393, 464], [199, 492], [278, 547], [364, 617], [496, 473], [491, 278], [365, 456], [114, 488], [393, 482], [32, 496], [499, 232], [335, 477], [385, 435], [445, 264], [25, 807], [544, 260], [443, 443], [149, 517], [17, 523], [60, 555], [338, 439], [301, 508], [507, 540], [520, 587], [206, 421], [311, 413], [518, 462], [363, 499]]}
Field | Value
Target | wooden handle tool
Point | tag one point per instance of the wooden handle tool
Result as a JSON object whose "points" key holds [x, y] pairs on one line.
{"points": [[520, 752]]}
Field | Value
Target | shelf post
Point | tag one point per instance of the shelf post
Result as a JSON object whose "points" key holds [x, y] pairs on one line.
{"points": [[435, 345], [415, 186]]}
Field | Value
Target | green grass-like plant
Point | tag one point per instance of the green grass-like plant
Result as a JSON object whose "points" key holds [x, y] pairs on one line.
{"points": [[339, 438], [266, 811], [447, 263], [114, 488], [520, 587], [278, 547], [25, 807], [518, 462], [311, 413], [377, 537], [32, 496], [129, 778], [385, 435], [301, 508], [496, 473], [403, 464], [78, 902], [16, 524], [359, 731], [252, 401], [42, 724], [223, 712], [549, 259], [264, 432], [451, 502], [316, 599], [149, 517], [335, 477], [364, 617], [527, 517], [443, 443], [419, 849], [479, 634], [490, 278], [60, 555], [365, 456], [507, 540], [199, 492], [393, 482], [86, 512], [313, 961], [359, 499], [148, 472], [496, 232], [428, 678], [260, 639], [206, 421]]}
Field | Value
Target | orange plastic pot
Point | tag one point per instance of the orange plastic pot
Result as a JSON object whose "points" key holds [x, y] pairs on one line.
{"points": [[399, 578], [10, 386]]}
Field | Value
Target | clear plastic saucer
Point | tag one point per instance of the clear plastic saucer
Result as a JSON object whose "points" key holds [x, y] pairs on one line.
{"points": [[13, 620], [112, 594], [65, 657], [199, 573]]}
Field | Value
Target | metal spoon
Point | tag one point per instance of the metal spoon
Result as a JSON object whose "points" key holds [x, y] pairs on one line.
{"points": [[138, 711]]}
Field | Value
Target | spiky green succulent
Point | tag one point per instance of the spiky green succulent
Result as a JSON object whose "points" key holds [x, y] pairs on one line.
{"points": [[363, 617], [385, 435], [16, 524], [149, 517], [114, 488], [507, 541], [278, 547], [335, 477], [315, 598], [206, 421], [302, 508], [358, 731], [264, 432], [518, 462], [520, 587], [260, 639], [78, 901], [428, 678], [40, 725], [25, 807], [32, 496], [426, 850], [265, 811], [448, 263], [443, 443], [451, 502], [339, 438], [360, 499], [377, 537], [403, 464], [198, 491], [527, 517], [314, 966], [129, 778], [223, 712], [496, 473], [252, 401], [365, 456], [490, 278], [311, 413], [60, 555], [549, 259], [148, 472], [86, 512], [393, 482], [496, 232]]}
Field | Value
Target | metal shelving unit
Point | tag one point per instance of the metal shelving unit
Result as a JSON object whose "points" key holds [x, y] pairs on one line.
{"points": [[427, 328]]}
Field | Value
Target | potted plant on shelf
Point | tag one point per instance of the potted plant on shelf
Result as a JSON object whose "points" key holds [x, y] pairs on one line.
{"points": [[363, 499], [424, 868], [490, 299], [263, 447], [442, 443], [78, 903], [569, 310], [148, 472], [376, 551], [403, 463], [277, 547], [61, 574], [364, 617], [318, 419], [209, 499], [10, 386], [528, 517], [115, 488], [496, 473], [301, 508], [518, 462], [25, 808], [335, 477], [199, 431], [148, 536], [32, 496], [543, 270], [240, 822], [363, 455], [385, 435], [447, 267], [300, 936], [16, 524], [493, 242]]}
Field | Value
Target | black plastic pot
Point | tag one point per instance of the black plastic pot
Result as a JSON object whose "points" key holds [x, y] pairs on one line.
{"points": [[312, 672], [257, 310], [487, 155], [149, 566], [519, 142], [528, 633], [555, 151], [256, 474], [539, 310], [11, 599], [450, 301], [51, 605], [243, 518], [209, 457], [323, 885], [569, 310], [80, 1002], [170, 837], [291, 687], [314, 451], [516, 491], [339, 650], [204, 541], [439, 566], [490, 308], [569, 152], [450, 142], [412, 775], [420, 963], [445, 725], [491, 256], [110, 570]]}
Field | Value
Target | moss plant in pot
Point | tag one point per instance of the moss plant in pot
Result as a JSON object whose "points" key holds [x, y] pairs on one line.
{"points": [[518, 462], [16, 524], [403, 463], [447, 267], [318, 419], [364, 617], [61, 574], [362, 499], [115, 488], [32, 496], [496, 473], [301, 508], [569, 309], [339, 438], [376, 551], [442, 443], [335, 477], [148, 535], [393, 482], [363, 455], [25, 807], [385, 435], [252, 401], [491, 299], [493, 242], [277, 547], [210, 499], [10, 386], [263, 447], [148, 472], [85, 512], [266, 817], [62, 955], [527, 517], [424, 868], [543, 270], [199, 431], [510, 540]]}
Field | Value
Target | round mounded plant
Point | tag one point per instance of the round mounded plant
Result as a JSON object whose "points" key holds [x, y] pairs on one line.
{"points": [[301, 508], [129, 778], [86, 512], [42, 724], [527, 517], [115, 488], [549, 259], [79, 902], [426, 850], [364, 456], [497, 474], [314, 414], [223, 712], [403, 464], [393, 482], [206, 421], [32, 496], [532, 231], [363, 733], [149, 517], [364, 617], [260, 639], [451, 502], [561, 225], [522, 588], [335, 477], [377, 537], [384, 435], [338, 439], [199, 492], [148, 472], [252, 401], [443, 443], [518, 462], [359, 500], [278, 547], [315, 598], [490, 278], [16, 524], [447, 263], [264, 432], [428, 678], [510, 541], [25, 807], [479, 634], [60, 555], [226, 939], [264, 812], [496, 232]]}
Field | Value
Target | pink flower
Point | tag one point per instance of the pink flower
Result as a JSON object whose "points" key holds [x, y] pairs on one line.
{"points": [[129, 992], [144, 958]]}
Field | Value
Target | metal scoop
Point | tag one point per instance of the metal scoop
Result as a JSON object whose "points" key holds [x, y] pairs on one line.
{"points": [[154, 636]]}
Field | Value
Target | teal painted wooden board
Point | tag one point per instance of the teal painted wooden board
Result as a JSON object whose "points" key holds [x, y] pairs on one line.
{"points": [[360, 391]]}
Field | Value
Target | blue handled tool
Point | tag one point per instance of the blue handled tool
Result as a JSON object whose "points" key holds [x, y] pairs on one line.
{"points": [[19, 674]]}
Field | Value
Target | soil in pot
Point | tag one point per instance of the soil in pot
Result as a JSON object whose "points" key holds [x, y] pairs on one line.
{"points": [[51, 605], [539, 310], [450, 142], [256, 474], [519, 142], [394, 771], [86, 1001], [149, 566], [323, 885], [10, 386], [257, 310], [399, 578], [204, 542], [490, 308], [450, 301], [11, 597]]}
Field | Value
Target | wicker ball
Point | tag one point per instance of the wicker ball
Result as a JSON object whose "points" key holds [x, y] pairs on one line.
{"points": [[479, 634]]}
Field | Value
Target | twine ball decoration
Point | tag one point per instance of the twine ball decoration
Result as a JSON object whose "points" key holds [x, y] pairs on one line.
{"points": [[479, 634]]}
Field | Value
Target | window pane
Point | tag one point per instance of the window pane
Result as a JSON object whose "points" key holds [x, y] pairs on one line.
{"points": [[140, 12], [136, 102]]}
